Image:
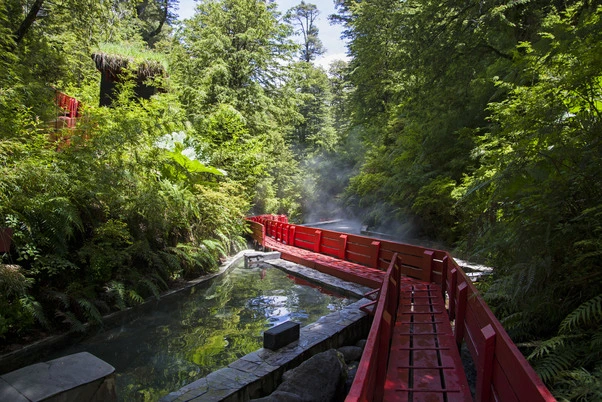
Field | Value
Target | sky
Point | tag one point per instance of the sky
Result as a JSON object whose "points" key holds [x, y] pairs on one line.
{"points": [[329, 34]]}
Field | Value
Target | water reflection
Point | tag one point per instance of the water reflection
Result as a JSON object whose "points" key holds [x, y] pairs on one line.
{"points": [[204, 330]]}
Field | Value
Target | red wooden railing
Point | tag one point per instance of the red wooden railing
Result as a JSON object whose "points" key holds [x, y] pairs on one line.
{"points": [[369, 380], [503, 372]]}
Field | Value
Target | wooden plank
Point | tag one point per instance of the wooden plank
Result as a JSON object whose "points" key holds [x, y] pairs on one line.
{"points": [[460, 313], [318, 240], [343, 247], [502, 389], [408, 259], [484, 364], [428, 265]]}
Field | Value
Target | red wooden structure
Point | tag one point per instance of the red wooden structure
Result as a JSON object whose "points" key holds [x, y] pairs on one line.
{"points": [[412, 352], [67, 110]]}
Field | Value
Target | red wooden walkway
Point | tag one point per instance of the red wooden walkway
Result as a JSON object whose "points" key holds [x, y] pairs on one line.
{"points": [[424, 363], [412, 353]]}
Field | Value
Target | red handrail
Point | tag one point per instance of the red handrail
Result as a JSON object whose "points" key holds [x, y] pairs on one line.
{"points": [[370, 377], [504, 373]]}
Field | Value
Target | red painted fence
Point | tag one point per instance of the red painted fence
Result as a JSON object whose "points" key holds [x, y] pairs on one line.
{"points": [[369, 381], [503, 373]]}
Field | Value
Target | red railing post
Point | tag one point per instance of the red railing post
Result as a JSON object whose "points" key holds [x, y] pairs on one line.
{"points": [[285, 233], [452, 293], [318, 240], [375, 253], [460, 313], [444, 267], [343, 249], [485, 363], [291, 235], [428, 265]]}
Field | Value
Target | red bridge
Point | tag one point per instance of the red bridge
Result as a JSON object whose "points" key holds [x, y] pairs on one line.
{"points": [[412, 351]]}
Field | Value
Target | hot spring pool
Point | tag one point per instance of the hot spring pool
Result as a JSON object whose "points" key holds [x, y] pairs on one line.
{"points": [[205, 329]]}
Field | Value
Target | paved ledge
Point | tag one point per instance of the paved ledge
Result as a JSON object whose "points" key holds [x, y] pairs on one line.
{"points": [[327, 281], [258, 373], [77, 377]]}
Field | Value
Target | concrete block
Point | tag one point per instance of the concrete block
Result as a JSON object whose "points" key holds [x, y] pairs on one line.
{"points": [[281, 335]]}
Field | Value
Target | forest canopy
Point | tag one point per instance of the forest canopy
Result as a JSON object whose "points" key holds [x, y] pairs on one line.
{"points": [[475, 124]]}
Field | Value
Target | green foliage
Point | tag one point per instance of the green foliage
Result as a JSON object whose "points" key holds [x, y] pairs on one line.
{"points": [[481, 126]]}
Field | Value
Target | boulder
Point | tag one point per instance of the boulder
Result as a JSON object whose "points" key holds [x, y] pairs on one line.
{"points": [[318, 379], [351, 353], [350, 377]]}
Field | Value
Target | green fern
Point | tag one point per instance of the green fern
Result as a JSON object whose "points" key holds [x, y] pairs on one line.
{"points": [[589, 313], [90, 311], [116, 291], [579, 385], [555, 363], [548, 346], [74, 323], [134, 297], [35, 309], [151, 286]]}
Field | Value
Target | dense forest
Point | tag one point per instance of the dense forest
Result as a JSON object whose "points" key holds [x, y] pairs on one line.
{"points": [[474, 123]]}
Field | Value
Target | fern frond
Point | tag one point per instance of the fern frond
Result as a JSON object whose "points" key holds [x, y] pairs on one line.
{"points": [[554, 364], [596, 342], [588, 313], [579, 385], [549, 345], [71, 319], [150, 285], [116, 290], [34, 308], [90, 311], [160, 280], [134, 297]]}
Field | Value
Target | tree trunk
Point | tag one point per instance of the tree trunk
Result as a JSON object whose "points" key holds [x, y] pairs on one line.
{"points": [[28, 21]]}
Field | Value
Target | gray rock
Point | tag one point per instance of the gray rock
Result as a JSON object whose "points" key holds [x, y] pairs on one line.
{"points": [[351, 353], [280, 396], [361, 343], [316, 380], [350, 377]]}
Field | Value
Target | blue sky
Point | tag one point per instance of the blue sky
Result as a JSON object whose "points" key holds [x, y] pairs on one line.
{"points": [[330, 35]]}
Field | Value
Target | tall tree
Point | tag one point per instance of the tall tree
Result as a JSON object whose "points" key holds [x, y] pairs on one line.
{"points": [[229, 61], [303, 17], [314, 132], [153, 16]]}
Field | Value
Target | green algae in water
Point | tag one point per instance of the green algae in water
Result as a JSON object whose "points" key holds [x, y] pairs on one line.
{"points": [[212, 326]]}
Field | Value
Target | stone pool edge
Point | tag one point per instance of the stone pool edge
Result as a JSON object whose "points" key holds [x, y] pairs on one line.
{"points": [[258, 373]]}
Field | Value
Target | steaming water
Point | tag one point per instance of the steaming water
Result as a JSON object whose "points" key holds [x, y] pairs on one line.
{"points": [[204, 330]]}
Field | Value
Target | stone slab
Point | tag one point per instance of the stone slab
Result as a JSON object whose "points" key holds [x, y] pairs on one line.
{"points": [[9, 393], [325, 280], [44, 380]]}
